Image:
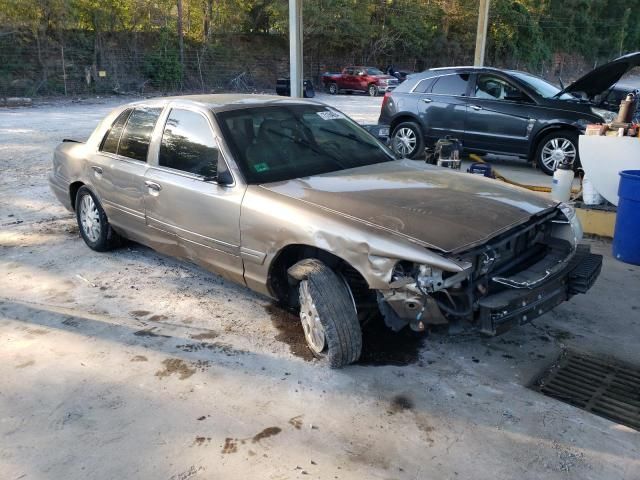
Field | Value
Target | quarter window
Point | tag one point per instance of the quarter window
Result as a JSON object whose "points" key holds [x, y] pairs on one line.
{"points": [[188, 144], [451, 84], [111, 139], [423, 86], [137, 134]]}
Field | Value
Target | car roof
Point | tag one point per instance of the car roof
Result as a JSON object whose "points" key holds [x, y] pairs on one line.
{"points": [[225, 101]]}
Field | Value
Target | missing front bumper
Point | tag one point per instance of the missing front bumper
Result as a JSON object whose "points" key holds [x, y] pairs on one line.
{"points": [[501, 311]]}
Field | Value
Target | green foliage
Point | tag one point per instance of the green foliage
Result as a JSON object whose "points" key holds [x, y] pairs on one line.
{"points": [[163, 66], [549, 37]]}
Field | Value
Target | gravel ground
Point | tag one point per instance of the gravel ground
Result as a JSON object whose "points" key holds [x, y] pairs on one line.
{"points": [[130, 364]]}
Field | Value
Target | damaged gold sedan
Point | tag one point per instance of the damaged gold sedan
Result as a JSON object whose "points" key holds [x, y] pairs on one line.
{"points": [[298, 202]]}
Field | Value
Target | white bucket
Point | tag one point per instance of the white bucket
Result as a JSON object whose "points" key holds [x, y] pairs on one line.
{"points": [[590, 195]]}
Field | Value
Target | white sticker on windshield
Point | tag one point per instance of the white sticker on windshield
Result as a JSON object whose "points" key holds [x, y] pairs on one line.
{"points": [[329, 115]]}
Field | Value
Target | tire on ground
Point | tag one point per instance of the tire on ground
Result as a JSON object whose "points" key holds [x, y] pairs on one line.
{"points": [[564, 134], [418, 151], [337, 313], [108, 238]]}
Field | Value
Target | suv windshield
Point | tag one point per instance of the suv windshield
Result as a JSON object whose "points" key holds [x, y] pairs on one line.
{"points": [[373, 71], [276, 143], [541, 86]]}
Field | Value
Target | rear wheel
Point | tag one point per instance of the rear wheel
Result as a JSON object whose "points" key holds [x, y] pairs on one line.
{"points": [[555, 148], [407, 140], [328, 315], [333, 88], [93, 223]]}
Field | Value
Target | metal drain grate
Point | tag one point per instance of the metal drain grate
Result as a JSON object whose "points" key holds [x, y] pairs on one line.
{"points": [[605, 387]]}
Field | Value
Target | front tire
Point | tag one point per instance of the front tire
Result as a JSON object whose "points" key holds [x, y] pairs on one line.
{"points": [[333, 88], [407, 140], [328, 315], [372, 90], [93, 223], [556, 147]]}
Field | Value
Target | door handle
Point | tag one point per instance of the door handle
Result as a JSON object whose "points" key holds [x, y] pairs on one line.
{"points": [[153, 186], [476, 107], [427, 100], [96, 169]]}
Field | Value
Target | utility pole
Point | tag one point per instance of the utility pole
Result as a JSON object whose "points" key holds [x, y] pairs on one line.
{"points": [[295, 47], [481, 35]]}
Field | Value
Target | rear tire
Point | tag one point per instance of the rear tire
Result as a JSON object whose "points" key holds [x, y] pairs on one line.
{"points": [[554, 147], [407, 140], [94, 226], [328, 315]]}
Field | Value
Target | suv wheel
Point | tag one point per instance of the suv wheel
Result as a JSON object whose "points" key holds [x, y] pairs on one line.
{"points": [[373, 90], [328, 315], [407, 140], [555, 148], [92, 221], [333, 88]]}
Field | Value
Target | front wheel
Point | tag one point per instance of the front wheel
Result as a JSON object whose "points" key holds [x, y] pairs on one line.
{"points": [[372, 90], [328, 315], [407, 140], [333, 88], [555, 148]]}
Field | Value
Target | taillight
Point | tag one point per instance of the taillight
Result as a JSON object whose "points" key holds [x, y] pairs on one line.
{"points": [[387, 97]]}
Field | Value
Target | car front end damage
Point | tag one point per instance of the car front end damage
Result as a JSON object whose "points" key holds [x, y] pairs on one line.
{"points": [[508, 280]]}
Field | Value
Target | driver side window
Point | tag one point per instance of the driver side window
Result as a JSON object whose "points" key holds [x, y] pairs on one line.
{"points": [[188, 144], [494, 88]]}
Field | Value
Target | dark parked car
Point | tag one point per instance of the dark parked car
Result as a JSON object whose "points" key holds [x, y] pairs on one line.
{"points": [[500, 111]]}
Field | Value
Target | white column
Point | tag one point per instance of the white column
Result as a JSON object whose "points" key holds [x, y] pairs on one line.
{"points": [[295, 47], [481, 35]]}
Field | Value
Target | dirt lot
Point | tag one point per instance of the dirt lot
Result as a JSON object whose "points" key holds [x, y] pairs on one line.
{"points": [[133, 365]]}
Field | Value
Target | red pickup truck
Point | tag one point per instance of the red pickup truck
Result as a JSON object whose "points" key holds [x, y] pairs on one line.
{"points": [[359, 79]]}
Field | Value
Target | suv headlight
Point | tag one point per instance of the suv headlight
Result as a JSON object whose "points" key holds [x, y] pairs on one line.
{"points": [[606, 115]]}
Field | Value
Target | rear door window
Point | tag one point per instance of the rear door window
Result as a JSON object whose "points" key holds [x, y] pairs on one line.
{"points": [[455, 84], [111, 139], [135, 139], [188, 144]]}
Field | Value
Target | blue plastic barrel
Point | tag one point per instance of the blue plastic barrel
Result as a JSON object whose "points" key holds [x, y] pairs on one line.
{"points": [[626, 236]]}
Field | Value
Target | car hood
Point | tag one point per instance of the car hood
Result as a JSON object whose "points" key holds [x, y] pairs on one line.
{"points": [[603, 77], [435, 207]]}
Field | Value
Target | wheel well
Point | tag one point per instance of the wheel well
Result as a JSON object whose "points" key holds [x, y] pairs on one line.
{"points": [[73, 192], [279, 282], [403, 118], [541, 134]]}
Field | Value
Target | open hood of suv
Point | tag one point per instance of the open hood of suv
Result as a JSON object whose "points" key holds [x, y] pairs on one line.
{"points": [[603, 77]]}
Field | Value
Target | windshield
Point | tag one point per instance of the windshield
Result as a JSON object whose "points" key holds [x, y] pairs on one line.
{"points": [[374, 71], [541, 86], [276, 143]]}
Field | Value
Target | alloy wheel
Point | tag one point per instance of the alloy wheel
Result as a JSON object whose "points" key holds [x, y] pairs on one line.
{"points": [[404, 141], [313, 329], [556, 151], [90, 218]]}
